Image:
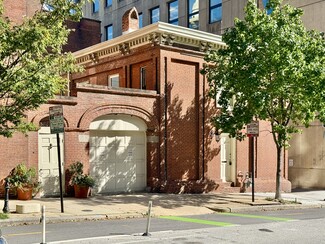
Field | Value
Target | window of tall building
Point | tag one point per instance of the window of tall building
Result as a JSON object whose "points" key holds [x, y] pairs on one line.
{"points": [[264, 5], [154, 15], [140, 20], [49, 7], [215, 8], [193, 14], [95, 6], [73, 11], [108, 3], [173, 12], [109, 32], [265, 2]]}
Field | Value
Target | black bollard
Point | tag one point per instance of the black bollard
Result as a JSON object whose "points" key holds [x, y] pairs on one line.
{"points": [[6, 206]]}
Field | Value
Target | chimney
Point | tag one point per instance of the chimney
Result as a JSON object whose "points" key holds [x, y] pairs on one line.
{"points": [[130, 21]]}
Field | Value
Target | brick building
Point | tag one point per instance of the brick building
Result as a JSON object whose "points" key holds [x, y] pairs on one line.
{"points": [[85, 33], [306, 157], [138, 117]]}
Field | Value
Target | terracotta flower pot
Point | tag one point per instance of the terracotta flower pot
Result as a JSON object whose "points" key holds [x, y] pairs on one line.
{"points": [[81, 191], [24, 193]]}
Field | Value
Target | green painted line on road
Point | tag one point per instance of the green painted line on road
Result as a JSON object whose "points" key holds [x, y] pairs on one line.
{"points": [[256, 216], [197, 221]]}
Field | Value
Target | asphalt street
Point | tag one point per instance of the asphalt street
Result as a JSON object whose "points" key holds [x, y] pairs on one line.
{"points": [[197, 227]]}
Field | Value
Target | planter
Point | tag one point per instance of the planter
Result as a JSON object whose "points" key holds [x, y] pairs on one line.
{"points": [[24, 193], [81, 191]]}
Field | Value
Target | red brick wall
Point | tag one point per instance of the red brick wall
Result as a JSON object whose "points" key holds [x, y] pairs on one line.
{"points": [[183, 123], [193, 156], [16, 10], [130, 20], [135, 74], [86, 33], [13, 151], [76, 150]]}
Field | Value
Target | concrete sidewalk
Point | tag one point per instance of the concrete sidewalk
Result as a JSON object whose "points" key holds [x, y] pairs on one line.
{"points": [[136, 205]]}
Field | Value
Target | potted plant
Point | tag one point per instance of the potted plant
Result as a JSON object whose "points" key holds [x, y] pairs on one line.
{"points": [[80, 181], [25, 181]]}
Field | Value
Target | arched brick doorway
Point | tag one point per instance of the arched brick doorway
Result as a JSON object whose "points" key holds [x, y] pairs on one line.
{"points": [[117, 151]]}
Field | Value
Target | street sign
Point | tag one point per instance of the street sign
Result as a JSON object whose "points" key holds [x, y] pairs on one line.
{"points": [[253, 129], [57, 126], [56, 120]]}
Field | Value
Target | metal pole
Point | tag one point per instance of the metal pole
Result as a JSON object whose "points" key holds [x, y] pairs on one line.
{"points": [[149, 217], [253, 171], [165, 122], [43, 224], [6, 205], [60, 170]]}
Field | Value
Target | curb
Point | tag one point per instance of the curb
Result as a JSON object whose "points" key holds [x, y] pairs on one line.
{"points": [[63, 219], [265, 208]]}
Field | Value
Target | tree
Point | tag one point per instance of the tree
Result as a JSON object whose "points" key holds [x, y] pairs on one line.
{"points": [[272, 69], [32, 65]]}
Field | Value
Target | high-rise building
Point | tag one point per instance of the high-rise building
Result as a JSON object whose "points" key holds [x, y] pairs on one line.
{"points": [[212, 16]]}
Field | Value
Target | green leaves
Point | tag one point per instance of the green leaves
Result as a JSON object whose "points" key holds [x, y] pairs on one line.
{"points": [[78, 177], [272, 68], [32, 64]]}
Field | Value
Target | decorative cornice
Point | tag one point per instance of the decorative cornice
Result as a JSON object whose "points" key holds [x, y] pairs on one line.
{"points": [[156, 34], [162, 39], [205, 46], [124, 48], [94, 57]]}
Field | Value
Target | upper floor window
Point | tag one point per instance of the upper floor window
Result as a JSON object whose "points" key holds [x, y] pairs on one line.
{"points": [[173, 12], [49, 7], [265, 2], [73, 11], [193, 14], [154, 15], [108, 3], [114, 80], [143, 83], [95, 6], [140, 20], [215, 8], [109, 32]]}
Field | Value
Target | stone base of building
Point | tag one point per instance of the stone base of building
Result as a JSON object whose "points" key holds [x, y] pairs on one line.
{"points": [[269, 185], [180, 187], [204, 186]]}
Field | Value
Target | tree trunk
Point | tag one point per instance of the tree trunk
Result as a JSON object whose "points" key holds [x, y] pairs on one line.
{"points": [[278, 172]]}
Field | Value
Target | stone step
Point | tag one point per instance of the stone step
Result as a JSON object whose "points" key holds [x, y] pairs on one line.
{"points": [[226, 187], [26, 208]]}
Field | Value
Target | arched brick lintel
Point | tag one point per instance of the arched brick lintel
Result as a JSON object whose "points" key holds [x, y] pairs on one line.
{"points": [[95, 112], [41, 115]]}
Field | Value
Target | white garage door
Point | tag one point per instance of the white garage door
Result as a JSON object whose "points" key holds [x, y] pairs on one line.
{"points": [[118, 160], [118, 153]]}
